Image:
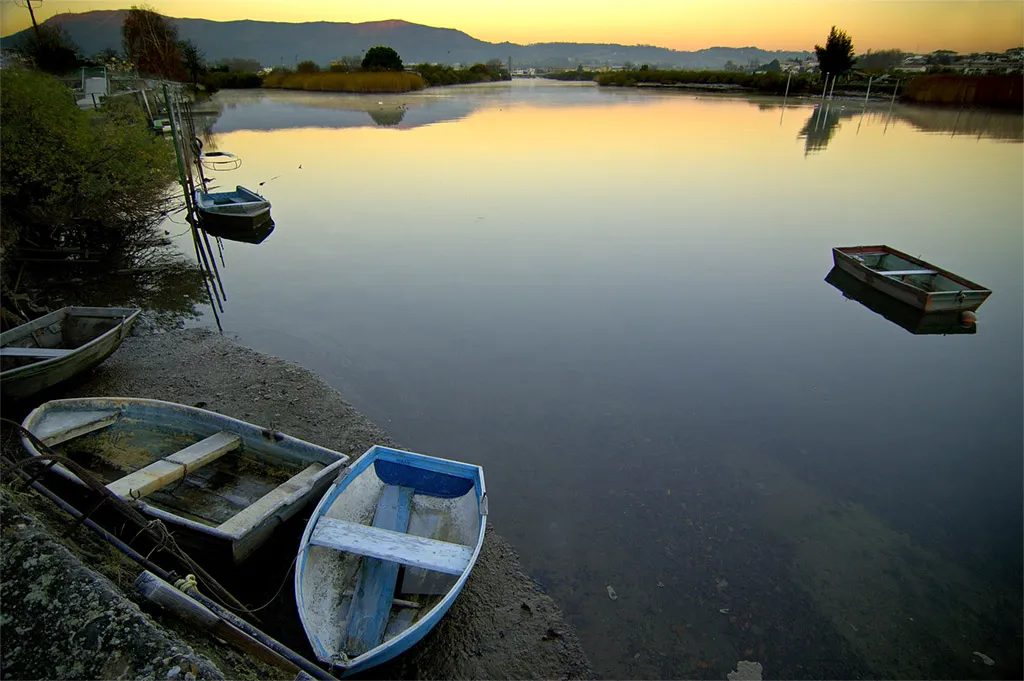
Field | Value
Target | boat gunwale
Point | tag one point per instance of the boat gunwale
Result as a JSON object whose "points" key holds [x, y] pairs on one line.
{"points": [[849, 251], [392, 647], [255, 206]]}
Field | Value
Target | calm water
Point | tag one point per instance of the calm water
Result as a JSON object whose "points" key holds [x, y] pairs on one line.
{"points": [[614, 302]]}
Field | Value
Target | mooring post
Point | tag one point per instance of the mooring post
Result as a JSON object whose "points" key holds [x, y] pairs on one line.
{"points": [[824, 89]]}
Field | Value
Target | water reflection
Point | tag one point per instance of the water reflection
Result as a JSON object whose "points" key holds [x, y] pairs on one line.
{"points": [[910, 318], [251, 234], [821, 126], [632, 280]]}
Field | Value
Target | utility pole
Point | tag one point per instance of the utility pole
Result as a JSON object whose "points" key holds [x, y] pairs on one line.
{"points": [[28, 3]]}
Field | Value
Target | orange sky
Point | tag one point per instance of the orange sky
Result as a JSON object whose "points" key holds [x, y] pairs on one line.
{"points": [[911, 25]]}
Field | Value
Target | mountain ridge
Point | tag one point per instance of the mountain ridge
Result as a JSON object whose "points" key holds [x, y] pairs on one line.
{"points": [[275, 43]]}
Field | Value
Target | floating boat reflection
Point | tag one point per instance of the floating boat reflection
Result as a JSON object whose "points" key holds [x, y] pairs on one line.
{"points": [[910, 318]]}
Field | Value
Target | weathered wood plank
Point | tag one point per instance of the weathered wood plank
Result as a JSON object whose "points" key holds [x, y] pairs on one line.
{"points": [[375, 587], [67, 426], [905, 273], [254, 514], [431, 554], [42, 353], [162, 473]]}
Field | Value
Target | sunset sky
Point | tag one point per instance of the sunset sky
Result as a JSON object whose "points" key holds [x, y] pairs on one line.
{"points": [[911, 25]]}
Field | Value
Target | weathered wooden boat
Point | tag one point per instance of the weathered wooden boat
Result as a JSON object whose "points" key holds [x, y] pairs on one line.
{"points": [[909, 279], [385, 554], [59, 345], [217, 482], [240, 209], [912, 319], [255, 233]]}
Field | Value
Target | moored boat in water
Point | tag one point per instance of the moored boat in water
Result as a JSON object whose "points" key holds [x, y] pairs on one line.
{"points": [[908, 279], [59, 345], [385, 554], [217, 482], [238, 210]]}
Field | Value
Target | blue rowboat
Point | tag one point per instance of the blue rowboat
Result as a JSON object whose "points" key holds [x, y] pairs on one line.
{"points": [[222, 485], [237, 211], [386, 553]]}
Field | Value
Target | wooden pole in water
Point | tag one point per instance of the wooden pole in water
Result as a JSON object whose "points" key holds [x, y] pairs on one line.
{"points": [[871, 78], [824, 89], [834, 78]]}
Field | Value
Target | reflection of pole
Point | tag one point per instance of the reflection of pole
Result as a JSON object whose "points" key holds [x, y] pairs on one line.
{"points": [[785, 97], [893, 101]]}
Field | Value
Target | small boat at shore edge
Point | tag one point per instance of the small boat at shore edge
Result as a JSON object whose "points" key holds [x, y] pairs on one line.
{"points": [[386, 553], [220, 484], [909, 279], [57, 346]]}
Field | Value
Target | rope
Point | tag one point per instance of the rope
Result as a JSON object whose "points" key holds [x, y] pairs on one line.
{"points": [[188, 583]]}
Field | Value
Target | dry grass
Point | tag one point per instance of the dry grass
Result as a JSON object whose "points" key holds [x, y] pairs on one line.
{"points": [[1002, 91], [363, 82]]}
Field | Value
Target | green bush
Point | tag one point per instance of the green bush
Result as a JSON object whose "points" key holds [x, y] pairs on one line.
{"points": [[77, 179]]}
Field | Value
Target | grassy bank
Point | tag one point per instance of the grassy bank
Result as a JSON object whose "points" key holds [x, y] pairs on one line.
{"points": [[363, 82], [954, 89]]}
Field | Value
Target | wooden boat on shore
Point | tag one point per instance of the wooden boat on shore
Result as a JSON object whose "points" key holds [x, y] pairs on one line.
{"points": [[238, 210], [909, 279], [912, 319], [218, 482], [385, 554], [59, 345]]}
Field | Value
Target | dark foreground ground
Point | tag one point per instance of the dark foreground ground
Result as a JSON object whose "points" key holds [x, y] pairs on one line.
{"points": [[67, 602]]}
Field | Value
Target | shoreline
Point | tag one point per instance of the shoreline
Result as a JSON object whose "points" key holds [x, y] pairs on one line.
{"points": [[501, 625]]}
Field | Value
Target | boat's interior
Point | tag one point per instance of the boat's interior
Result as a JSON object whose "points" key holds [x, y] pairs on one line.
{"points": [[907, 271], [214, 479], [55, 339], [354, 600]]}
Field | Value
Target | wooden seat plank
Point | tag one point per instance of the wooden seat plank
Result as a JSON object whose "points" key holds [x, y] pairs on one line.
{"points": [[161, 473], [41, 353], [363, 540], [252, 515], [375, 587], [905, 273]]}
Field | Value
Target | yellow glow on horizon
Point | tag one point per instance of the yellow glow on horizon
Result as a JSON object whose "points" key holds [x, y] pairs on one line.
{"points": [[910, 25]]}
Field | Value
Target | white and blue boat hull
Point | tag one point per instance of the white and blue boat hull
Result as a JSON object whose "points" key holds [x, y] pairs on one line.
{"points": [[386, 553]]}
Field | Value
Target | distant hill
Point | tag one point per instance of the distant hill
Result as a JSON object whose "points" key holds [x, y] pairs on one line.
{"points": [[274, 43]]}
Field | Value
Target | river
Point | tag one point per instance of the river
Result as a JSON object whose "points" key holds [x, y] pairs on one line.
{"points": [[614, 300]]}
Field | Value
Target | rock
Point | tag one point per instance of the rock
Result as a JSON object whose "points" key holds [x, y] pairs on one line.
{"points": [[985, 658], [745, 671]]}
